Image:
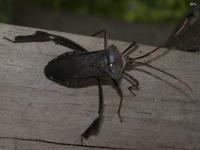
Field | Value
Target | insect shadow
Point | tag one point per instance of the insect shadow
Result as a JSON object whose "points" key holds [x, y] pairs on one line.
{"points": [[80, 68]]}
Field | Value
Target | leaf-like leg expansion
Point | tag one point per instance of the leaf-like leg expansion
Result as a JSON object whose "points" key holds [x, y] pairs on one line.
{"points": [[104, 35], [94, 128], [41, 36], [121, 100]]}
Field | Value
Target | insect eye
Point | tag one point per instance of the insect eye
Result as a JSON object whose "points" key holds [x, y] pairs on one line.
{"points": [[109, 64]]}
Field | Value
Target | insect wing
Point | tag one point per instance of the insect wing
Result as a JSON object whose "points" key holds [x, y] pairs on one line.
{"points": [[74, 68]]}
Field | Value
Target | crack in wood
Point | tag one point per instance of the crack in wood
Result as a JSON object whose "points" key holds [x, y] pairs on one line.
{"points": [[145, 113], [176, 148], [64, 144]]}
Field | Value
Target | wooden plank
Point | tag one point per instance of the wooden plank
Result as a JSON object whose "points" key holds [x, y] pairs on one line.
{"points": [[36, 113]]}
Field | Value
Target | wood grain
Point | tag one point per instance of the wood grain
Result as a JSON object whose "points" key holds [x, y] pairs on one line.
{"points": [[36, 113]]}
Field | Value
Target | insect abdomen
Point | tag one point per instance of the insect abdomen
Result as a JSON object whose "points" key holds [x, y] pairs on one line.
{"points": [[80, 67]]}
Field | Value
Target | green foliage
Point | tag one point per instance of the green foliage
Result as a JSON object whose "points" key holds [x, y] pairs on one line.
{"points": [[5, 9], [127, 10]]}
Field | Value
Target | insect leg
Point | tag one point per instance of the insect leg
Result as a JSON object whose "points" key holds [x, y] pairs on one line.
{"points": [[135, 83], [41, 36], [129, 49], [121, 99], [94, 128], [104, 35], [133, 87]]}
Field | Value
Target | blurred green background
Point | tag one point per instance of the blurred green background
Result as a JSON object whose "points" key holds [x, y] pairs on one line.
{"points": [[125, 10], [147, 21], [5, 10]]}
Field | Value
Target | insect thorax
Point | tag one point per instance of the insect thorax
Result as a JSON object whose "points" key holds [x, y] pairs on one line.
{"points": [[115, 62]]}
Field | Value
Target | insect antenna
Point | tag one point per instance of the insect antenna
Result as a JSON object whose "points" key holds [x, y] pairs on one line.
{"points": [[174, 34], [149, 53], [166, 73], [185, 23], [128, 50]]}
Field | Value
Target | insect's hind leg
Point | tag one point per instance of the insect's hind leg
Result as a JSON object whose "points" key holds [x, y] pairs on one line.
{"points": [[41, 36], [94, 128], [104, 35]]}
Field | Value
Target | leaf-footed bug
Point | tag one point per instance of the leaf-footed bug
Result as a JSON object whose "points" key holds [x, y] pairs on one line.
{"points": [[81, 65]]}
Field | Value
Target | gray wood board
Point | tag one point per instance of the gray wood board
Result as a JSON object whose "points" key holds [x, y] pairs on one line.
{"points": [[36, 113]]}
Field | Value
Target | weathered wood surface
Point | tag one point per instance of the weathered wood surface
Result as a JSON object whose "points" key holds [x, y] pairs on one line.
{"points": [[36, 113]]}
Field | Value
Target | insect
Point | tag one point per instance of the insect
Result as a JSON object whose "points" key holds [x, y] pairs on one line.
{"points": [[186, 35], [80, 65]]}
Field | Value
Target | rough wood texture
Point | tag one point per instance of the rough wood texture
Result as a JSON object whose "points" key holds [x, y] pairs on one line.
{"points": [[37, 114]]}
